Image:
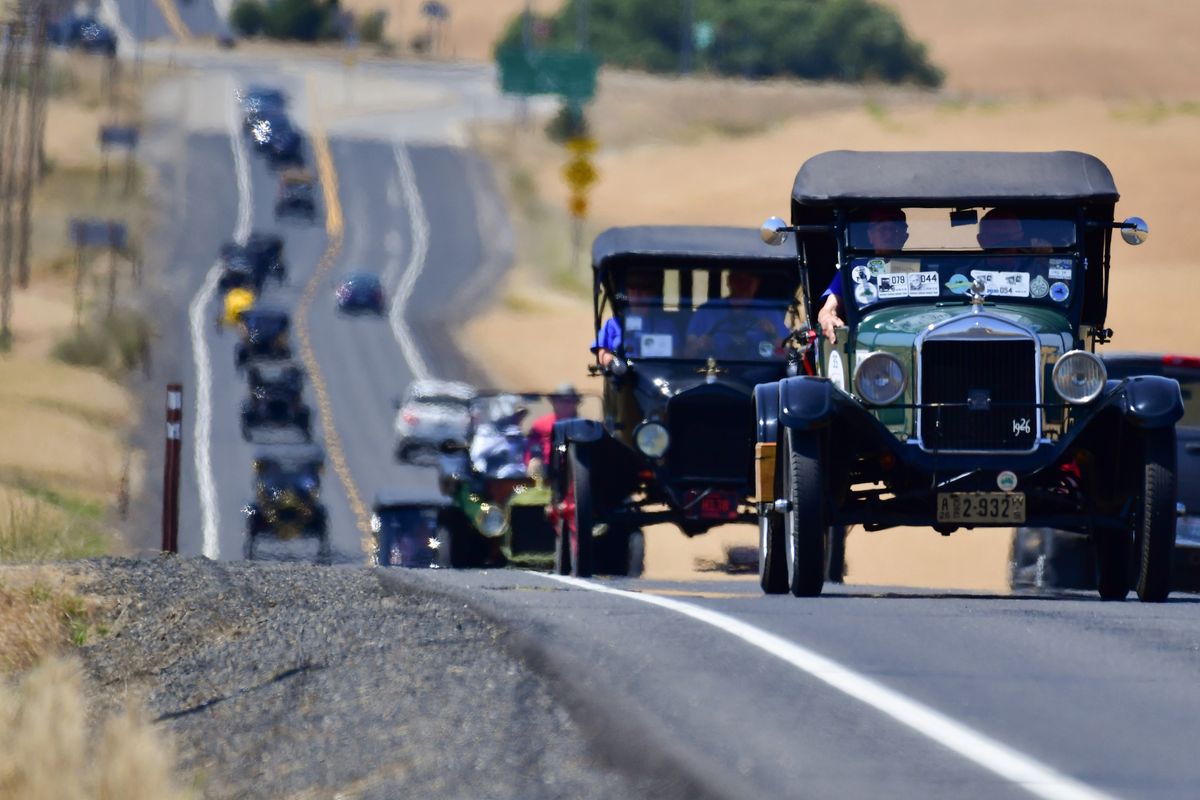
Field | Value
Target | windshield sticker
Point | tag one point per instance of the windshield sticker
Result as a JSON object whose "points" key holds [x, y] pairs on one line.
{"points": [[1059, 292], [923, 284], [766, 349], [959, 284], [633, 324], [657, 345], [917, 323], [1060, 271], [1003, 284], [866, 293], [893, 286], [877, 266], [1039, 288], [860, 274]]}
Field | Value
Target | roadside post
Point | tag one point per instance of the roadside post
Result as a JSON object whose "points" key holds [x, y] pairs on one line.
{"points": [[170, 513]]}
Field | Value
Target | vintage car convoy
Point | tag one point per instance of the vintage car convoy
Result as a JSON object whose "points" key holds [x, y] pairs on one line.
{"points": [[695, 318], [963, 390], [274, 399]]}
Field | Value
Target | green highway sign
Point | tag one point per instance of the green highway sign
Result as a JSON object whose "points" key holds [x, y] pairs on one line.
{"points": [[568, 73]]}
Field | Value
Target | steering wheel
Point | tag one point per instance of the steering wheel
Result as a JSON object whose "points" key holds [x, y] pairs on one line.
{"points": [[740, 328]]}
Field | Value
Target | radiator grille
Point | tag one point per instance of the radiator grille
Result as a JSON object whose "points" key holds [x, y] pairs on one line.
{"points": [[990, 392], [712, 437]]}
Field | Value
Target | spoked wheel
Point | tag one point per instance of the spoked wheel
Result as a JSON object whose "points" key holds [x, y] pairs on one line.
{"points": [[580, 523], [772, 554], [1155, 532], [836, 555], [805, 530]]}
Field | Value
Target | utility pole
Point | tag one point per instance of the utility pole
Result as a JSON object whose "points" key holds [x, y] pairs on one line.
{"points": [[10, 116], [582, 21], [35, 129], [686, 12]]}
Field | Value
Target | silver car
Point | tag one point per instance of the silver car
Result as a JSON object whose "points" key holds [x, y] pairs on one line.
{"points": [[433, 417]]}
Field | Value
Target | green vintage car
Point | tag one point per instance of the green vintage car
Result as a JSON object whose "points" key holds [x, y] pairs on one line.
{"points": [[965, 294]]}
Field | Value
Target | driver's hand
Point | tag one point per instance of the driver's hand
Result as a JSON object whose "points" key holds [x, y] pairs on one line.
{"points": [[830, 322]]}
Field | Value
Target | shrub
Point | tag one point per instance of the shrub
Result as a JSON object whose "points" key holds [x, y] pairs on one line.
{"points": [[306, 20], [248, 17], [847, 40], [117, 344], [370, 28]]}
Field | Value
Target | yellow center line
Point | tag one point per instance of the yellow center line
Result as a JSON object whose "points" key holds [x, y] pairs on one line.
{"points": [[334, 228], [170, 13]]}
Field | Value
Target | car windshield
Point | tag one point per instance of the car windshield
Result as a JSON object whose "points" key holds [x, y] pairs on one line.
{"points": [[413, 521], [441, 400], [729, 315], [924, 254]]}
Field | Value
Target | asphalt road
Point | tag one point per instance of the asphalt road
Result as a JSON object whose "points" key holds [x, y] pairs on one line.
{"points": [[862, 693]]}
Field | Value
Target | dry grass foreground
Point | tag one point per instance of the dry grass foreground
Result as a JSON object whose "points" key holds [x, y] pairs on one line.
{"points": [[62, 428], [1079, 74]]}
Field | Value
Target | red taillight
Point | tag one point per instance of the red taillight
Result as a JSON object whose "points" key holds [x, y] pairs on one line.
{"points": [[1191, 362], [410, 417]]}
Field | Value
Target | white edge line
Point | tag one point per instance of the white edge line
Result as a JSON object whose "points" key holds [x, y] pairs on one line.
{"points": [[202, 442], [1011, 765], [418, 249]]}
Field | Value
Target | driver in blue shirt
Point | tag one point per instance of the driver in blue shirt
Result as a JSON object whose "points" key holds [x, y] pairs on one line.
{"points": [[887, 231], [642, 291], [734, 326]]}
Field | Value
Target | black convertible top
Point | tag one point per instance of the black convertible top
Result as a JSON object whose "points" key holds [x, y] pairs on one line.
{"points": [[400, 498], [966, 178], [692, 243]]}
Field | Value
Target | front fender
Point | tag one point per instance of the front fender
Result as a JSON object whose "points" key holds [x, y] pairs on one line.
{"points": [[1150, 401], [805, 402], [766, 411], [578, 430]]}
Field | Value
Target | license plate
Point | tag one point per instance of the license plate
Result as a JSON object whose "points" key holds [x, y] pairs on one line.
{"points": [[714, 505], [981, 507]]}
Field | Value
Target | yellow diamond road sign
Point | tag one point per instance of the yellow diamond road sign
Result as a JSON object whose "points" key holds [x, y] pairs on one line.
{"points": [[580, 174]]}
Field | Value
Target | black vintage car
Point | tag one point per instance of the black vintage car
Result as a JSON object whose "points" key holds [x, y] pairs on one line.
{"points": [[296, 195], [969, 293], [286, 505], [261, 255], [411, 533], [696, 318], [274, 399], [1045, 558], [264, 335], [238, 271]]}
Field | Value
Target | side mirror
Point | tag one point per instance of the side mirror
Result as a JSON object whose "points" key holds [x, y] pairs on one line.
{"points": [[774, 231], [1134, 230], [618, 367]]}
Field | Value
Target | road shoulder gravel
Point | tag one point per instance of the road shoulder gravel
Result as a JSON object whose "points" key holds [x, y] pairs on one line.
{"points": [[286, 680]]}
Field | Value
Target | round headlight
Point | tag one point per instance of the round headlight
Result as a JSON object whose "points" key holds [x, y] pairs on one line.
{"points": [[880, 379], [491, 522], [1079, 377], [652, 439]]}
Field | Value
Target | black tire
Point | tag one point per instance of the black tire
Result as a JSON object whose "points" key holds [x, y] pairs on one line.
{"points": [[531, 531], [836, 556], [582, 545], [445, 553], [1114, 551], [620, 552], [1155, 533], [325, 551], [635, 559], [383, 550], [772, 554], [250, 547], [806, 533]]}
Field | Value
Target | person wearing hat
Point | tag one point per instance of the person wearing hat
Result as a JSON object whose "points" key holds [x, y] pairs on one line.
{"points": [[642, 296], [564, 402]]}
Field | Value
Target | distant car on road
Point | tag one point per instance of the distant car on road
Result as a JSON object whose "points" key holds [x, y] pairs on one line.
{"points": [[274, 399], [262, 252], [258, 101], [1056, 559], [270, 127], [297, 195], [410, 533], [84, 33], [434, 416], [264, 335], [286, 504], [359, 292]]}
